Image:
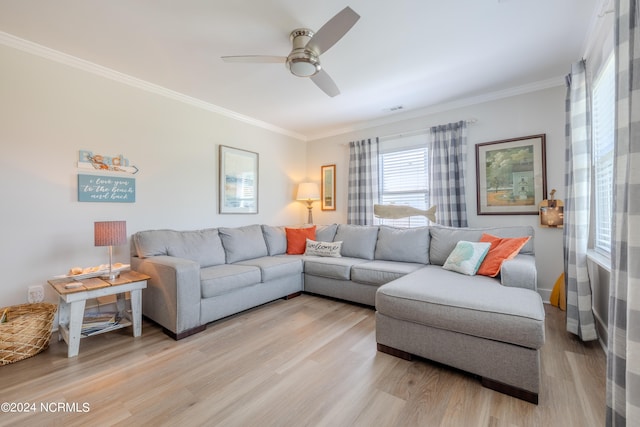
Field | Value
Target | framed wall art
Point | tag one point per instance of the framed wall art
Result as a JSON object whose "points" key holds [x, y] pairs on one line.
{"points": [[238, 181], [328, 188], [511, 176]]}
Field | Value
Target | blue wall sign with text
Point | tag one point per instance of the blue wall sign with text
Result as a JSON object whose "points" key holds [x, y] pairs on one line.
{"points": [[103, 188]]}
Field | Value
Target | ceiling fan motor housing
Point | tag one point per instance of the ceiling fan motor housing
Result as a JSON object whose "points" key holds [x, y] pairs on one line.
{"points": [[302, 61]]}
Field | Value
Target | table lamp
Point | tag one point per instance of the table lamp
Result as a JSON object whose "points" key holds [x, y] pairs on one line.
{"points": [[110, 233], [308, 192]]}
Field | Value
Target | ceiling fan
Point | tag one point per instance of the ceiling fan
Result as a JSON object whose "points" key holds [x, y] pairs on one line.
{"points": [[304, 59]]}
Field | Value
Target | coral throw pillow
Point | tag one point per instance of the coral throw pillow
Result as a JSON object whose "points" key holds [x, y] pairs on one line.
{"points": [[297, 239], [502, 249]]}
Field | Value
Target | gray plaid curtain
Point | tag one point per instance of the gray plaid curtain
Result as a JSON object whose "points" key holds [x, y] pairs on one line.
{"points": [[623, 348], [448, 158], [580, 320], [363, 181]]}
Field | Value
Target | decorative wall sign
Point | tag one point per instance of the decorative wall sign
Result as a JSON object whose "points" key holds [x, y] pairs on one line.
{"points": [[106, 188], [238, 181], [511, 176], [328, 188], [88, 160]]}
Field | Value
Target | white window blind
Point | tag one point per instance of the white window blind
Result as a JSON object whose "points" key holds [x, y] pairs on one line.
{"points": [[603, 128], [404, 181]]}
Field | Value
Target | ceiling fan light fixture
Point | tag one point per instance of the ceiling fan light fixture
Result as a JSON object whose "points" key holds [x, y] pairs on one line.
{"points": [[304, 67]]}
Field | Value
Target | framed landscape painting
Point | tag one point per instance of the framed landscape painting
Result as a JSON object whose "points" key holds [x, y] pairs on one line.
{"points": [[511, 176], [328, 188], [238, 181]]}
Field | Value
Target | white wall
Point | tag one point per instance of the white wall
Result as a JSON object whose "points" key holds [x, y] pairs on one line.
{"points": [[49, 111], [517, 116]]}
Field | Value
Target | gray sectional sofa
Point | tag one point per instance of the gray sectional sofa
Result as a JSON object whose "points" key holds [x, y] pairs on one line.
{"points": [[491, 327]]}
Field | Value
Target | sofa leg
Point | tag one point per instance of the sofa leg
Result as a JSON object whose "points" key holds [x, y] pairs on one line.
{"points": [[184, 334], [293, 295], [527, 396], [394, 352]]}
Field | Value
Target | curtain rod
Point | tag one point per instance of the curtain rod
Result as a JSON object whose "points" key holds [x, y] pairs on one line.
{"points": [[417, 132]]}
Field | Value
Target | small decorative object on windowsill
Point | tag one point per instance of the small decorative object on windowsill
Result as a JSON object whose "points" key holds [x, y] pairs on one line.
{"points": [[308, 192], [552, 212], [110, 233]]}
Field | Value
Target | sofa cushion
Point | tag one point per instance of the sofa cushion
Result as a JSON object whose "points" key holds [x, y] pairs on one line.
{"points": [[466, 257], [444, 239], [242, 243], [297, 239], [201, 246], [358, 241], [326, 233], [150, 243], [477, 306], [331, 249], [501, 250], [333, 268], [381, 272], [222, 279], [403, 244], [275, 239], [275, 267]]}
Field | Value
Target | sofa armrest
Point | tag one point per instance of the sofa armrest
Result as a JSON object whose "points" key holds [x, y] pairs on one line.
{"points": [[520, 272], [172, 296]]}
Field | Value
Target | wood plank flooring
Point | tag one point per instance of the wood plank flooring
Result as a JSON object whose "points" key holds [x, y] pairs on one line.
{"points": [[308, 361]]}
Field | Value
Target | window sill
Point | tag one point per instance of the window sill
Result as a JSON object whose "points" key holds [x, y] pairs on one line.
{"points": [[602, 260]]}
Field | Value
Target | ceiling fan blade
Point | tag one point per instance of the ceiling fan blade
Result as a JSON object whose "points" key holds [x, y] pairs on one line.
{"points": [[326, 83], [333, 30], [255, 58]]}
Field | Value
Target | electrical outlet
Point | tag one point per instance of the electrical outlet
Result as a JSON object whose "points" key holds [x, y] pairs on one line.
{"points": [[35, 294]]}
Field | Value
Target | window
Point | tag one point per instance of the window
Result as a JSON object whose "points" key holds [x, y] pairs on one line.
{"points": [[403, 180], [603, 128]]}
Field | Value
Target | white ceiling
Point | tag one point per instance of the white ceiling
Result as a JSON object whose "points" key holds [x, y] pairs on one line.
{"points": [[415, 53]]}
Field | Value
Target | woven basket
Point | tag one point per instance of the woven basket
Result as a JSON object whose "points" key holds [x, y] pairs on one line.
{"points": [[26, 332]]}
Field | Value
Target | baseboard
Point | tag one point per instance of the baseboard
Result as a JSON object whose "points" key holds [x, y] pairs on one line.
{"points": [[545, 294], [602, 330]]}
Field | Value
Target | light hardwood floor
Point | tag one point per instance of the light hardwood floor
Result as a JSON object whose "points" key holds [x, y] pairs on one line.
{"points": [[308, 361]]}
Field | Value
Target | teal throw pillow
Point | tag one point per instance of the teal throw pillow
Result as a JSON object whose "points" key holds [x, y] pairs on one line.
{"points": [[466, 257]]}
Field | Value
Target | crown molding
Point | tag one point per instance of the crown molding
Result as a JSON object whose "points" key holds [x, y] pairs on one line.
{"points": [[435, 109], [90, 67]]}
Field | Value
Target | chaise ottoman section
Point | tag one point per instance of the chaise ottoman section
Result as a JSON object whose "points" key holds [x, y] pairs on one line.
{"points": [[477, 326], [381, 272]]}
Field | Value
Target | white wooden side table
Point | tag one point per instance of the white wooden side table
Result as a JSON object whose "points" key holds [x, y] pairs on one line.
{"points": [[73, 300]]}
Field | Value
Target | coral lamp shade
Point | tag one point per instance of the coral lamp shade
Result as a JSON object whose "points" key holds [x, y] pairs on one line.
{"points": [[110, 233]]}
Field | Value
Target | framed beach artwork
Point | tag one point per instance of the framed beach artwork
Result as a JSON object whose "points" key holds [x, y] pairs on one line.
{"points": [[238, 181], [511, 176], [328, 188]]}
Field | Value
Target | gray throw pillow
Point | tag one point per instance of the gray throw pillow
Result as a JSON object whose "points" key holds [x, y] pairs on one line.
{"points": [[243, 243], [326, 233], [358, 241], [201, 246], [276, 239], [403, 244]]}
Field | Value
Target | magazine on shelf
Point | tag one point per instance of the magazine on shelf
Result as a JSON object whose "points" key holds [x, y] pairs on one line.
{"points": [[94, 323]]}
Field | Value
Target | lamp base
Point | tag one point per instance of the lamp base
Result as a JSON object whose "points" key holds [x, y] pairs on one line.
{"points": [[111, 276], [310, 216]]}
